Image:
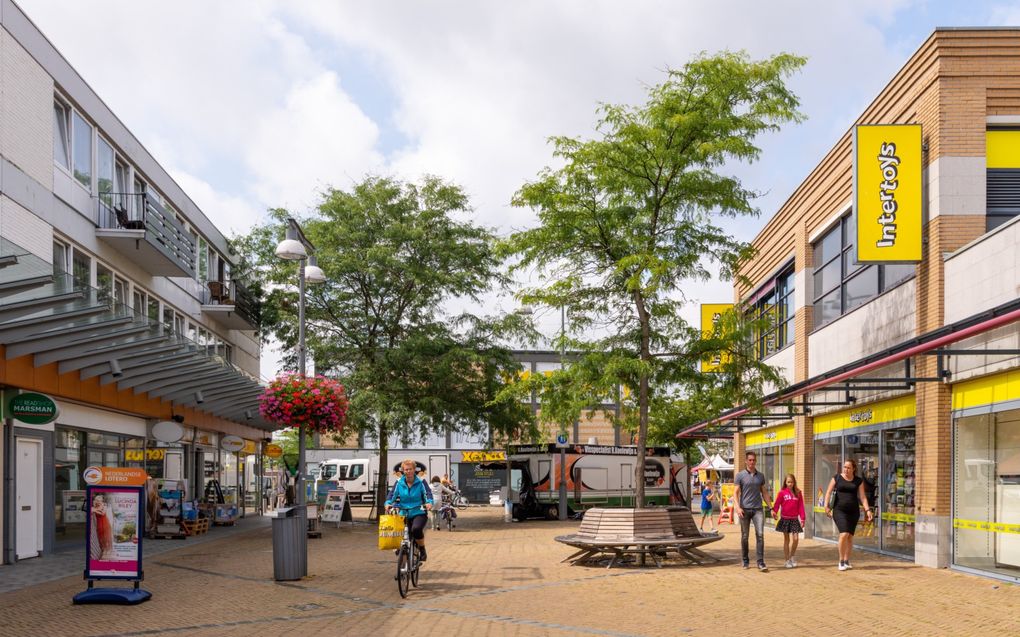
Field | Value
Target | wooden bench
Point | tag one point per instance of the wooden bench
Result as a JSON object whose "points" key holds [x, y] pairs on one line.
{"points": [[658, 531]]}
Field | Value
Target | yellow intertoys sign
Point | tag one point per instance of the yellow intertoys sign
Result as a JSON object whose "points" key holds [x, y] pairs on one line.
{"points": [[710, 315], [887, 193]]}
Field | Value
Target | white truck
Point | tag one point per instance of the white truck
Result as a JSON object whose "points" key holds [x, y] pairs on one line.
{"points": [[596, 475], [357, 475]]}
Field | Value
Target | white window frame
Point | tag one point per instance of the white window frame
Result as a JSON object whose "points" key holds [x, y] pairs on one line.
{"points": [[92, 151], [67, 133]]}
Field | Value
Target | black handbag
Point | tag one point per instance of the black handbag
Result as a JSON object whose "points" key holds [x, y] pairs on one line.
{"points": [[832, 496]]}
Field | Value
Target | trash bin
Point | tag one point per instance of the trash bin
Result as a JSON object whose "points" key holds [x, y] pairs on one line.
{"points": [[290, 555]]}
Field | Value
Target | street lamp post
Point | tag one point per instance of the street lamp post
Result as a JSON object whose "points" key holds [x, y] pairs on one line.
{"points": [[563, 450], [296, 247]]}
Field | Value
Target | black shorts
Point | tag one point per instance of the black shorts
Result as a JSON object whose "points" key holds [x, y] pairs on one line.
{"points": [[417, 525], [846, 521]]}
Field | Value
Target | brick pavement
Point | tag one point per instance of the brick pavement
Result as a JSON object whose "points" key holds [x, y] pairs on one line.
{"points": [[489, 578]]}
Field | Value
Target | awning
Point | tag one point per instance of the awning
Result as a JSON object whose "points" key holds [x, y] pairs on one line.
{"points": [[54, 320]]}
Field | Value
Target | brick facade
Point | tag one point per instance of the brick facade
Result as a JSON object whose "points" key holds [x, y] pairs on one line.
{"points": [[952, 85]]}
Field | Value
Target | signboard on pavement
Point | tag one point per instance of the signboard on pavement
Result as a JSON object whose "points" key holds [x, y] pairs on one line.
{"points": [[337, 508]]}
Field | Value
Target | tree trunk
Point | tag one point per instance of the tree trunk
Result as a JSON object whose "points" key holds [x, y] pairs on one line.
{"points": [[642, 439], [383, 479]]}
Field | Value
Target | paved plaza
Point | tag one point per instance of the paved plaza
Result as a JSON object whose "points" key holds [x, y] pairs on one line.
{"points": [[491, 578]]}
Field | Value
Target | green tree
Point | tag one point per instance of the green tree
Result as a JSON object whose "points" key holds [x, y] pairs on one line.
{"points": [[633, 215], [395, 255]]}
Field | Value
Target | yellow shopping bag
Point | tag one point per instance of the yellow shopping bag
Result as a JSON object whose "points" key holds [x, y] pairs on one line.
{"points": [[391, 532]]}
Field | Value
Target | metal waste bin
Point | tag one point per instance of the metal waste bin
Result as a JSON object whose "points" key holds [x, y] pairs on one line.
{"points": [[290, 555]]}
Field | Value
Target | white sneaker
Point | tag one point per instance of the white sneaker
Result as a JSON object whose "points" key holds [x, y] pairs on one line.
{"points": [[789, 563], [849, 566], [842, 566], [793, 561]]}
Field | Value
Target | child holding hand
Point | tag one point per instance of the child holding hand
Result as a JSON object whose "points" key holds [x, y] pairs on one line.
{"points": [[790, 505]]}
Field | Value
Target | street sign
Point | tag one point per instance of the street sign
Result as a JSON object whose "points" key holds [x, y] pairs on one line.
{"points": [[561, 440], [273, 451]]}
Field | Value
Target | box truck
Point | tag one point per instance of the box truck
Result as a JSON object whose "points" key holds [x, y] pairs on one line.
{"points": [[596, 475], [358, 475]]}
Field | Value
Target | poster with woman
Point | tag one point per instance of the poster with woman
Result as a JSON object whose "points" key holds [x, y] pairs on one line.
{"points": [[114, 521]]}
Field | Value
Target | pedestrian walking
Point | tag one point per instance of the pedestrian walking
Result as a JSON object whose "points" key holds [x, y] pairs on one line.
{"points": [[441, 495], [750, 493], [707, 498], [845, 510], [789, 505]]}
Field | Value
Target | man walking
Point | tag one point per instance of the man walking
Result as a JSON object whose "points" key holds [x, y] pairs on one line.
{"points": [[749, 495]]}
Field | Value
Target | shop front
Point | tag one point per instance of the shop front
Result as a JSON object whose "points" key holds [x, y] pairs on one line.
{"points": [[881, 438], [986, 476], [774, 446]]}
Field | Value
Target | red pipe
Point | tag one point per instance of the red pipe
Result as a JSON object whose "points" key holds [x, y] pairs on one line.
{"points": [[979, 328]]}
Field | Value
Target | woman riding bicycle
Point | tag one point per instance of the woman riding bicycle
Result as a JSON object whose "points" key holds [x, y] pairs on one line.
{"points": [[415, 498]]}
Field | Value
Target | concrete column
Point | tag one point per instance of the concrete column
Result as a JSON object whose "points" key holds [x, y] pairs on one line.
{"points": [[804, 464]]}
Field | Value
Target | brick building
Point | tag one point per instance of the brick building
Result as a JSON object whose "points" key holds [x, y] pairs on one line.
{"points": [[116, 301], [909, 368]]}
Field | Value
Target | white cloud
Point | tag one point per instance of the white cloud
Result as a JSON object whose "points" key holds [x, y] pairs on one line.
{"points": [[316, 138]]}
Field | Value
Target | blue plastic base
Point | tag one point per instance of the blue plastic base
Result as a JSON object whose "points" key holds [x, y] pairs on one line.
{"points": [[112, 596]]}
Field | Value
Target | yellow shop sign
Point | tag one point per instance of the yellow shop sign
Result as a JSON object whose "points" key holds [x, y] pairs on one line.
{"points": [[894, 410], [710, 315], [775, 435], [482, 456], [887, 193]]}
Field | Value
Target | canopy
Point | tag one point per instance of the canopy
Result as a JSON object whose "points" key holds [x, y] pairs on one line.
{"points": [[716, 462]]}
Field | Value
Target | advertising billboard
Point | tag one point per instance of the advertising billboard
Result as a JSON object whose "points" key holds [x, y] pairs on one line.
{"points": [[710, 315], [887, 193], [113, 525]]}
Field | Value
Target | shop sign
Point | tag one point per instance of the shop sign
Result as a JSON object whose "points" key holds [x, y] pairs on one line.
{"points": [[249, 447], [710, 315], [32, 408], [73, 506], [167, 431], [887, 193], [136, 455], [205, 438], [482, 456], [120, 476], [273, 451], [232, 443]]}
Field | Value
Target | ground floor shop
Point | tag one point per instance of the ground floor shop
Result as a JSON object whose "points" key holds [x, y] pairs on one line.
{"points": [[986, 475], [774, 448], [44, 488]]}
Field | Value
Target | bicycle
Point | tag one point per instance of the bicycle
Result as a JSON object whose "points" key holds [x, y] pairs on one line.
{"points": [[460, 501], [408, 561], [446, 514]]}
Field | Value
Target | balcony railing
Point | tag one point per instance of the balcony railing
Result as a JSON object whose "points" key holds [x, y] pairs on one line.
{"points": [[140, 211], [234, 293]]}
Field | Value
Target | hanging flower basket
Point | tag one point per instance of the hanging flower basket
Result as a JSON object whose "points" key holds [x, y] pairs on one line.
{"points": [[318, 403]]}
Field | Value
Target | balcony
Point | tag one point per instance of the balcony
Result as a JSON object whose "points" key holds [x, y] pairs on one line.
{"points": [[231, 305], [139, 227]]}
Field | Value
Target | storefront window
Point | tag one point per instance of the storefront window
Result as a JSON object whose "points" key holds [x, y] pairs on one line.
{"points": [[828, 457], [897, 508], [864, 449], [986, 494]]}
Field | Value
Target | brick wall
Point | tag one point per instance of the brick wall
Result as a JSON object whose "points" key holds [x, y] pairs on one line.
{"points": [[26, 112]]}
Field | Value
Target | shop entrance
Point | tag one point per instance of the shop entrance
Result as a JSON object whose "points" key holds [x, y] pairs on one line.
{"points": [[29, 520]]}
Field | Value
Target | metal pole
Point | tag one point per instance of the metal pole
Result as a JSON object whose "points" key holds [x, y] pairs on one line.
{"points": [[563, 451], [302, 508]]}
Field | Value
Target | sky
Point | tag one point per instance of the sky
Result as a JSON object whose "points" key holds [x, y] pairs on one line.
{"points": [[253, 104]]}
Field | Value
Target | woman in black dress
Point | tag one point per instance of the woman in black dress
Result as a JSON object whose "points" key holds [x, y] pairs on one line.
{"points": [[849, 490]]}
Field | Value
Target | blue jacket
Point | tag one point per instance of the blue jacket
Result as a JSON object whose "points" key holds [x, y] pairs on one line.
{"points": [[418, 494]]}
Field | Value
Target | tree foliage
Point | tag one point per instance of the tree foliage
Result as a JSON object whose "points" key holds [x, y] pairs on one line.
{"points": [[631, 217], [395, 255]]}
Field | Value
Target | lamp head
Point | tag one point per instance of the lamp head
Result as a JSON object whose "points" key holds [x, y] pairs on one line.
{"points": [[115, 369], [313, 273], [199, 397]]}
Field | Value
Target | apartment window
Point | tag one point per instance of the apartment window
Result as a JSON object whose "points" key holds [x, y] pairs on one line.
{"points": [[138, 302], [203, 260], [841, 284], [104, 283], [228, 353], [119, 291], [152, 311], [1002, 194], [774, 304], [104, 171], [81, 265], [60, 251], [61, 139], [168, 320], [81, 150]]}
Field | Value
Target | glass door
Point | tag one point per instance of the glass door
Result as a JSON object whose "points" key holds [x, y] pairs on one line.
{"points": [[897, 509], [864, 448]]}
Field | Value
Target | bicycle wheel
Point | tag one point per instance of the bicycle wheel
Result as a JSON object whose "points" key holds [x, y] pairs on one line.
{"points": [[403, 572], [414, 568], [460, 502], [449, 522]]}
